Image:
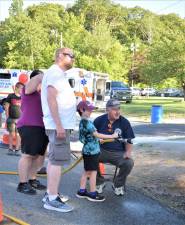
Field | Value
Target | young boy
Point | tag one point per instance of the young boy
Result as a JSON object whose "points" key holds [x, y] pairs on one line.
{"points": [[91, 149], [13, 111]]}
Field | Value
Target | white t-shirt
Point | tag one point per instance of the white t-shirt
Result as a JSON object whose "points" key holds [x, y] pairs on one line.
{"points": [[66, 100]]}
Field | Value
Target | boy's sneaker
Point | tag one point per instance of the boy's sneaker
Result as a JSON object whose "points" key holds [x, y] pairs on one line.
{"points": [[26, 189], [80, 194], [96, 198], [118, 190], [37, 185], [64, 198], [99, 188], [57, 205]]}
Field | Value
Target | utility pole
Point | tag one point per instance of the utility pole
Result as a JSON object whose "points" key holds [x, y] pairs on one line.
{"points": [[133, 48], [56, 37], [61, 40]]}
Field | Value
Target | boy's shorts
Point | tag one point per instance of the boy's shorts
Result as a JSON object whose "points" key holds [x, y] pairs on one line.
{"points": [[59, 149], [11, 125], [91, 162]]}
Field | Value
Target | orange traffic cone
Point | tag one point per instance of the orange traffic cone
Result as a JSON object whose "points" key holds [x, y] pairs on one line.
{"points": [[1, 209], [5, 139], [102, 168]]}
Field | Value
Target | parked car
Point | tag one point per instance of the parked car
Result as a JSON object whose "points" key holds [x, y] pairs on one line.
{"points": [[119, 90], [171, 92], [135, 91], [148, 91]]}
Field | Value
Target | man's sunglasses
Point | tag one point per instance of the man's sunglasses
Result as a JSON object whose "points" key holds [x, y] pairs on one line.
{"points": [[70, 55]]}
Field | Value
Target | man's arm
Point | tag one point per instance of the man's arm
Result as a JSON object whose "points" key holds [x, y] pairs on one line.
{"points": [[128, 136], [128, 150], [53, 106]]}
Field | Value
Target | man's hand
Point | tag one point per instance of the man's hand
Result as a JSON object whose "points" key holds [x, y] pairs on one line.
{"points": [[60, 132], [115, 135], [127, 155]]}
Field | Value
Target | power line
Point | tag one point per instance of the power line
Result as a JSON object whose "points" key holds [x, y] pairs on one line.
{"points": [[171, 5]]}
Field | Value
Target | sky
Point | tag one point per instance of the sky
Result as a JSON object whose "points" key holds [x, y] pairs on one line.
{"points": [[156, 6]]}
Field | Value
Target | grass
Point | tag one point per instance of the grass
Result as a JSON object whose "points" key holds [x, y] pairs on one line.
{"points": [[141, 108]]}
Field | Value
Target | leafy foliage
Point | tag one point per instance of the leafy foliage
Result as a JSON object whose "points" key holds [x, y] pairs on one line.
{"points": [[101, 34]]}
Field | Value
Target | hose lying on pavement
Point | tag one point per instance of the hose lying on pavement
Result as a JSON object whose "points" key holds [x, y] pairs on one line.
{"points": [[44, 175], [15, 220], [20, 222]]}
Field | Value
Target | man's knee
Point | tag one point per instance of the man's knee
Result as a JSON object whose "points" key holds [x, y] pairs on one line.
{"points": [[127, 164]]}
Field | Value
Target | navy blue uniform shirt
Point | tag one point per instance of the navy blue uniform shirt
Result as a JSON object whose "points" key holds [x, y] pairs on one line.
{"points": [[104, 126]]}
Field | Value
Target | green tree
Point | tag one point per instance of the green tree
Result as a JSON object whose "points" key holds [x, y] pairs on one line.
{"points": [[101, 34], [105, 53], [166, 60], [16, 7], [24, 43]]}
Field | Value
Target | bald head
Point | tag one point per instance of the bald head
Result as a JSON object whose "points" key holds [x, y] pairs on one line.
{"points": [[59, 51], [64, 57]]}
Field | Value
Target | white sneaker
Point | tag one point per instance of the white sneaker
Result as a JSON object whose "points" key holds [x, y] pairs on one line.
{"points": [[99, 188], [118, 191]]}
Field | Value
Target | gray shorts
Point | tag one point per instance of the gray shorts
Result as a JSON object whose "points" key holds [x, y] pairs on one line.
{"points": [[59, 149]]}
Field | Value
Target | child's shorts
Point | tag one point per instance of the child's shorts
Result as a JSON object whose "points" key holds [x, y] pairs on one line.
{"points": [[91, 162]]}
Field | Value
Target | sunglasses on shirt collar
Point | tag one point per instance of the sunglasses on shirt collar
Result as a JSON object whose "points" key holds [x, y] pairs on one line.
{"points": [[110, 127]]}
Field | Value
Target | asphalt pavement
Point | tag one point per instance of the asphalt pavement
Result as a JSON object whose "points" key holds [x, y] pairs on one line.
{"points": [[132, 209], [163, 129]]}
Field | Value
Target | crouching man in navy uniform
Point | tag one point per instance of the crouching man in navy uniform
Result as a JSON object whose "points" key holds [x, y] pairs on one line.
{"points": [[117, 152]]}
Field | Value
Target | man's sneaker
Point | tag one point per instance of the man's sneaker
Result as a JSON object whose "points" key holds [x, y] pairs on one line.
{"points": [[26, 189], [37, 185], [57, 205], [99, 188], [118, 190], [64, 198], [96, 198], [82, 194], [10, 151]]}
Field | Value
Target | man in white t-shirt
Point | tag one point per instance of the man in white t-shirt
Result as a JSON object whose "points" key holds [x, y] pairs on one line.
{"points": [[59, 109]]}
